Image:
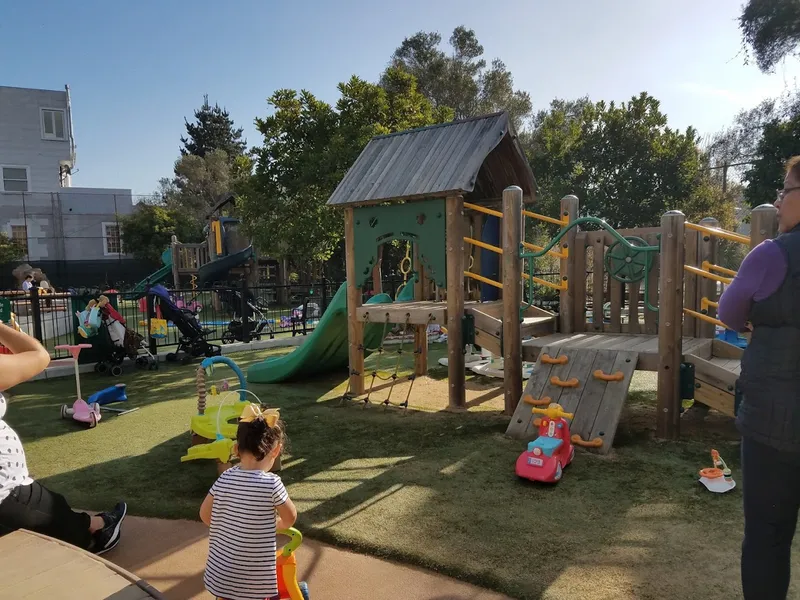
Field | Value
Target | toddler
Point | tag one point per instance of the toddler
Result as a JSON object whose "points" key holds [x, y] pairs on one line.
{"points": [[240, 512]]}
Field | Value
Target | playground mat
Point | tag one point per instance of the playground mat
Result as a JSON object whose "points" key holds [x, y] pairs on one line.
{"points": [[171, 554]]}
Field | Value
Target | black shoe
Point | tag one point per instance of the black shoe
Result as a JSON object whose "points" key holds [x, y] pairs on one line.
{"points": [[108, 536]]}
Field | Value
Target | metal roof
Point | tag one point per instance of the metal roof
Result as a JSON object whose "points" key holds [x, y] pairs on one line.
{"points": [[480, 155]]}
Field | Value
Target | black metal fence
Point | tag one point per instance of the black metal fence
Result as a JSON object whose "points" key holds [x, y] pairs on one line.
{"points": [[53, 318]]}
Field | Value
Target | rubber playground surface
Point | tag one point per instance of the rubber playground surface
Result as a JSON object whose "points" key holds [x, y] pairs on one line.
{"points": [[171, 554]]}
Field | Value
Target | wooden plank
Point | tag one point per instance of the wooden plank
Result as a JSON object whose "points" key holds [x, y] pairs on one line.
{"points": [[650, 316], [521, 424], [512, 297], [455, 301], [605, 425], [670, 325], [690, 284], [698, 347], [562, 372], [355, 327], [592, 395], [420, 350], [581, 368], [714, 397], [489, 342], [568, 301], [417, 313], [579, 282], [598, 270], [726, 350], [537, 326], [616, 293], [712, 373], [634, 290]]}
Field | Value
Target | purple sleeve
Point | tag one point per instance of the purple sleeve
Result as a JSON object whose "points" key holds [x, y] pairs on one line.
{"points": [[761, 274]]}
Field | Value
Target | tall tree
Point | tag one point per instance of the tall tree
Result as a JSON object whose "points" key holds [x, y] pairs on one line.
{"points": [[772, 29], [779, 141], [10, 250], [148, 230], [461, 80], [213, 129], [309, 146]]}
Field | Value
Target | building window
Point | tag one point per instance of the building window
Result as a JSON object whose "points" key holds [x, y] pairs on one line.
{"points": [[19, 234], [53, 124], [15, 178], [112, 242]]}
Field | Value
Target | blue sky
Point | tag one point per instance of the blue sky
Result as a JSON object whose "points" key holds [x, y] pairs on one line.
{"points": [[136, 69]]}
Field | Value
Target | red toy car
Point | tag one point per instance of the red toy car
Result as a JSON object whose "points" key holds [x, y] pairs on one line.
{"points": [[548, 454]]}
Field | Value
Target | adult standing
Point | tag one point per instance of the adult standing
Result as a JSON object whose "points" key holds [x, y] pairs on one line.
{"points": [[766, 292]]}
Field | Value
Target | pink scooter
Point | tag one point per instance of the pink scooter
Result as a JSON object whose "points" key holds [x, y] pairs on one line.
{"points": [[81, 410]]}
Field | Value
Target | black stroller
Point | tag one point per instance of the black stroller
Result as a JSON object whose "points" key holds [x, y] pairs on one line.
{"points": [[258, 323], [192, 342]]}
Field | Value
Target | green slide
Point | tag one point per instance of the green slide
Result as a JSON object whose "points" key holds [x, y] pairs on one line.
{"points": [[326, 349], [159, 276]]}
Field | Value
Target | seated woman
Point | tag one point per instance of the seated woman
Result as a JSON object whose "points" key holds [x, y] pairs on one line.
{"points": [[25, 503]]}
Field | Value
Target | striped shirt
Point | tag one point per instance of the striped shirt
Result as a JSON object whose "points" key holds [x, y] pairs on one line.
{"points": [[13, 468], [241, 550]]}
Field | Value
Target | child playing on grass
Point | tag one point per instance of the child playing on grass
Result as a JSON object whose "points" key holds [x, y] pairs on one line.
{"points": [[25, 503], [240, 511]]}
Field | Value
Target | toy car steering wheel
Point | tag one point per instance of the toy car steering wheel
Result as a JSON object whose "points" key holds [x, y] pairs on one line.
{"points": [[553, 412]]}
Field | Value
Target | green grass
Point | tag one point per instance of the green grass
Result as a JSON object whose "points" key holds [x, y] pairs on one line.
{"points": [[428, 487]]}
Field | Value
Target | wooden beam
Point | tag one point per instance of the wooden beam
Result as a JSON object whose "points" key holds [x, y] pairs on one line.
{"points": [[355, 328], [763, 224], [568, 301], [670, 325], [420, 350], [512, 297], [454, 233]]}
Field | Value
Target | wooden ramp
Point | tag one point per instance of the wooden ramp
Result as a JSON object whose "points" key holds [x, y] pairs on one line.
{"points": [[596, 403], [715, 377], [488, 319], [36, 567]]}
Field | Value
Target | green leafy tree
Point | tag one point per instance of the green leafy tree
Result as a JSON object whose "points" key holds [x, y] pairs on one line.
{"points": [[460, 80], [779, 141], [10, 250], [212, 130], [622, 161], [309, 146], [771, 28], [149, 229]]}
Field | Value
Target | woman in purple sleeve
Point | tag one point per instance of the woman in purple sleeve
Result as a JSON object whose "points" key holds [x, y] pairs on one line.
{"points": [[766, 292]]}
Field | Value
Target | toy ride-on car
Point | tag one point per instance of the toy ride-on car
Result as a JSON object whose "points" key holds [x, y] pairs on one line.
{"points": [[288, 540], [548, 454]]}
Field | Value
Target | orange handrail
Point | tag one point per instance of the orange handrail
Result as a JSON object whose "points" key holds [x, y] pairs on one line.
{"points": [[727, 235], [712, 267], [484, 245], [483, 279], [536, 248], [483, 209], [533, 215], [550, 284], [706, 274]]}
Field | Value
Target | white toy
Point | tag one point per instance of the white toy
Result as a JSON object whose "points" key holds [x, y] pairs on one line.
{"points": [[718, 478]]}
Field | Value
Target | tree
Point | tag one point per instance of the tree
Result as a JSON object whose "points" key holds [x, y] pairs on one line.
{"points": [[772, 29], [149, 229], [309, 146], [10, 250], [623, 162], [462, 80], [213, 130], [779, 141]]}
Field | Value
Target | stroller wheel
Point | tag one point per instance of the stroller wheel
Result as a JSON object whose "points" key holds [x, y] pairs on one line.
{"points": [[93, 420], [116, 371], [64, 414], [172, 357], [101, 367], [142, 362], [228, 337], [154, 365], [97, 367], [304, 590]]}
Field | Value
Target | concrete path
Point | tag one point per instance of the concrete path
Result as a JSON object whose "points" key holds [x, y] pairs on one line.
{"points": [[171, 556]]}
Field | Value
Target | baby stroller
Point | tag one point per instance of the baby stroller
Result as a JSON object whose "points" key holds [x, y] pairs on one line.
{"points": [[192, 341], [256, 319], [101, 319]]}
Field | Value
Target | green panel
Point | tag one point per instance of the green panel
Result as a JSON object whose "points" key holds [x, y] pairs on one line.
{"points": [[687, 381], [421, 222], [5, 310]]}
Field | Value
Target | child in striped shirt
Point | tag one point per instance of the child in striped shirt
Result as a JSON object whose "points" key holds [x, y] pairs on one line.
{"points": [[240, 512]]}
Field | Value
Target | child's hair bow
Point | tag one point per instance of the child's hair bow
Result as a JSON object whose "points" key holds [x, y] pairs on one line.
{"points": [[253, 411]]}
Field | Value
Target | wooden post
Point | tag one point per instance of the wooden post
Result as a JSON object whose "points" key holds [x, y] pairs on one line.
{"points": [[512, 297], [670, 324], [763, 224], [355, 328], [454, 234], [567, 299], [176, 277], [707, 250], [421, 350]]}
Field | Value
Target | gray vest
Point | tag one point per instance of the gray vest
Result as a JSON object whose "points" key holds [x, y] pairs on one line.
{"points": [[770, 377]]}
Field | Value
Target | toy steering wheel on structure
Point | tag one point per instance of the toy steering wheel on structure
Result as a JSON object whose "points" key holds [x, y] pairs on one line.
{"points": [[628, 265]]}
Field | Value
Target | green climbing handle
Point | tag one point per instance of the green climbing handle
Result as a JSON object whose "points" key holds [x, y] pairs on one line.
{"points": [[648, 250]]}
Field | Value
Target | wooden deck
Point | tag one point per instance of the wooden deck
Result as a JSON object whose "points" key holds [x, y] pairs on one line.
{"points": [[645, 345]]}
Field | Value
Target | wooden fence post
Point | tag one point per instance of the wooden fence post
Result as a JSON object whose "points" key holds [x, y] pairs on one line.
{"points": [[707, 250], [454, 233], [512, 297], [670, 324], [567, 300], [763, 224], [355, 328]]}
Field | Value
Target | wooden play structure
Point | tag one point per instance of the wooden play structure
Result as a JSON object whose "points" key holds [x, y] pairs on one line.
{"points": [[631, 299], [35, 567]]}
